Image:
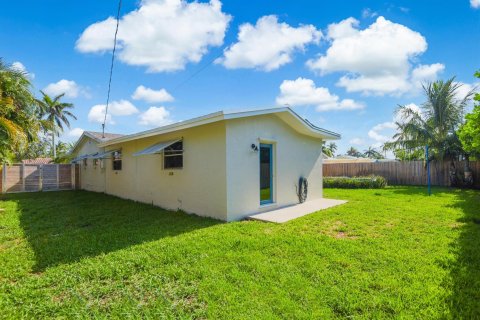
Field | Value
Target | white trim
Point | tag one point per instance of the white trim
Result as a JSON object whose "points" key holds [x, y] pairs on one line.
{"points": [[309, 128]]}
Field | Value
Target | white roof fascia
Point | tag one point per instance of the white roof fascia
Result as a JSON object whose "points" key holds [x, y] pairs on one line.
{"points": [[310, 129]]}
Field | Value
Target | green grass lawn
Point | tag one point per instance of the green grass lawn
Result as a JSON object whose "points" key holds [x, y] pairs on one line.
{"points": [[391, 253]]}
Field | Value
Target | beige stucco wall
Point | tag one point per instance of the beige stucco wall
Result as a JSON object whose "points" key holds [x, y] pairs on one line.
{"points": [[197, 188], [92, 178], [294, 155]]}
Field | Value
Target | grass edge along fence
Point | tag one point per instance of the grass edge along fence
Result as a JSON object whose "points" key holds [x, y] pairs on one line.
{"points": [[371, 182], [404, 172]]}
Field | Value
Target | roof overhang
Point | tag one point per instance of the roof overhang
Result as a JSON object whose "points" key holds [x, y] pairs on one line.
{"points": [[284, 113], [85, 134]]}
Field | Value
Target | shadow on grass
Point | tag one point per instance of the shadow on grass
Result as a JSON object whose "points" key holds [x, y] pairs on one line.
{"points": [[464, 301], [464, 279], [64, 227]]}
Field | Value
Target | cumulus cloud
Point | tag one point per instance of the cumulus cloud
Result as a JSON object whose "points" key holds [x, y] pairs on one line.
{"points": [[162, 35], [303, 92], [377, 60], [268, 44], [21, 67], [384, 132], [377, 133], [116, 108], [69, 87], [475, 4], [75, 133], [155, 117], [152, 96]]}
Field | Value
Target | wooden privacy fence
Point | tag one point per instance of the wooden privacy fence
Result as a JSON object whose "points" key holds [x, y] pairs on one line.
{"points": [[403, 172], [35, 177]]}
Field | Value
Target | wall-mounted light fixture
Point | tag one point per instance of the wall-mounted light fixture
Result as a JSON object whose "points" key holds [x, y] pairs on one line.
{"points": [[254, 147]]}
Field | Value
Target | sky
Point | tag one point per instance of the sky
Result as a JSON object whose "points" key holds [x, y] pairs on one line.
{"points": [[343, 65]]}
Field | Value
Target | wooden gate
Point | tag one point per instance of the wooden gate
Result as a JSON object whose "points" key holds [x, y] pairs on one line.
{"points": [[35, 177]]}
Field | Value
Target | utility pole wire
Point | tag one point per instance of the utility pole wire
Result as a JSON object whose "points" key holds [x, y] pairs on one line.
{"points": [[111, 67]]}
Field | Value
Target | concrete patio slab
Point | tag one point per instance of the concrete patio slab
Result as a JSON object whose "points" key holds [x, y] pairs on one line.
{"points": [[285, 214]]}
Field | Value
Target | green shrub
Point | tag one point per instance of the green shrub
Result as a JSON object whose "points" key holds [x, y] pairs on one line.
{"points": [[370, 182]]}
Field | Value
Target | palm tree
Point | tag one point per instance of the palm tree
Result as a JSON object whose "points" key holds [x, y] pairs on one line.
{"points": [[18, 122], [372, 153], [326, 150], [56, 114], [435, 124], [353, 152], [332, 146]]}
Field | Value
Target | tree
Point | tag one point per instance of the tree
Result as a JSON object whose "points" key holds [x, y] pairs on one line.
{"points": [[326, 151], [41, 148], [435, 124], [469, 133], [332, 146], [56, 114], [372, 153], [63, 152], [409, 155], [19, 123], [354, 152]]}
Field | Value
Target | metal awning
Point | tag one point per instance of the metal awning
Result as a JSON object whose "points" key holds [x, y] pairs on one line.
{"points": [[104, 155], [156, 148], [85, 156]]}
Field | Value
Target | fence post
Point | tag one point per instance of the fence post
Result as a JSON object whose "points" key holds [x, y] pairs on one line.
{"points": [[58, 177], [4, 178], [72, 175], [23, 177], [40, 176]]}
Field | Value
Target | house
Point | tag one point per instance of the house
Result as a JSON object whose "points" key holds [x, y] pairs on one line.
{"points": [[225, 165]]}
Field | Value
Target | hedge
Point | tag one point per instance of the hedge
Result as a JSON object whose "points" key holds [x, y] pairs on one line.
{"points": [[370, 182]]}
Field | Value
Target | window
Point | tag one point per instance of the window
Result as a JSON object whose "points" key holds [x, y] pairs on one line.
{"points": [[96, 162], [117, 160], [85, 162], [173, 156]]}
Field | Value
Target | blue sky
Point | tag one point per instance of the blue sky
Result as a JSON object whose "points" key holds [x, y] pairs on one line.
{"points": [[344, 65]]}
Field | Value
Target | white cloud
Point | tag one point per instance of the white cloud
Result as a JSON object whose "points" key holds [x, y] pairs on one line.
{"points": [[475, 4], [152, 96], [155, 117], [162, 35], [377, 133], [357, 141], [75, 133], [21, 67], [466, 88], [116, 108], [377, 60], [303, 92], [69, 87], [368, 13], [402, 117], [268, 44], [97, 114]]}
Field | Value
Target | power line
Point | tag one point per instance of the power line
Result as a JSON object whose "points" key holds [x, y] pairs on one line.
{"points": [[111, 67], [194, 74]]}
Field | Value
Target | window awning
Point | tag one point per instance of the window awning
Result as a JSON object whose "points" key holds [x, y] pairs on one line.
{"points": [[85, 156], [156, 148], [104, 155]]}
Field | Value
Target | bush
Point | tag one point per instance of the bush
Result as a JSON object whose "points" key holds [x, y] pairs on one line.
{"points": [[370, 182]]}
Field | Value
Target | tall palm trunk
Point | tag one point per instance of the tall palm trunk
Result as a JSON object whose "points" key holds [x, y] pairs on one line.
{"points": [[53, 141]]}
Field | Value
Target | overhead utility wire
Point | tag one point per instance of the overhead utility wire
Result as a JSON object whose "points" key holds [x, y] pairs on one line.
{"points": [[111, 67]]}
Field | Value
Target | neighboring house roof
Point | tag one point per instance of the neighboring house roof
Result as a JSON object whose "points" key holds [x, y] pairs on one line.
{"points": [[96, 136], [37, 161], [285, 113]]}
